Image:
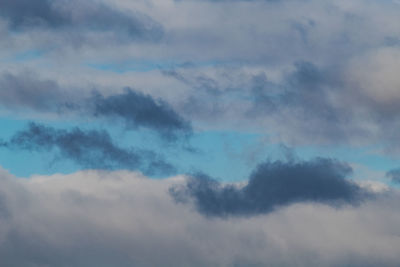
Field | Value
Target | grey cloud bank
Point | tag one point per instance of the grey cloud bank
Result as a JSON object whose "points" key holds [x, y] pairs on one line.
{"points": [[124, 219]]}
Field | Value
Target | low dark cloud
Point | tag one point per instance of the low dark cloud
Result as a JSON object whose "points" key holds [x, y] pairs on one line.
{"points": [[139, 110], [78, 16], [88, 148], [272, 185]]}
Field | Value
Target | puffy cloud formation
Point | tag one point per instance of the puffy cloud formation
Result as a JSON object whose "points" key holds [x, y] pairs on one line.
{"points": [[99, 218], [272, 185]]}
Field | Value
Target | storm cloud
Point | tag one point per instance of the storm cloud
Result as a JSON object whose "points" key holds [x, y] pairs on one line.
{"points": [[272, 185], [88, 148]]}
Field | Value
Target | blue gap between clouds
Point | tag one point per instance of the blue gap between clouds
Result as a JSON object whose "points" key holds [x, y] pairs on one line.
{"points": [[225, 155]]}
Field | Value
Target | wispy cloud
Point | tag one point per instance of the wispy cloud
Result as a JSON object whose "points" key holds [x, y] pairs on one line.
{"points": [[139, 110], [131, 108], [90, 149], [394, 175]]}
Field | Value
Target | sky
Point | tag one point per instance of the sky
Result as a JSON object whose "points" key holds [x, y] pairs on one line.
{"points": [[199, 133]]}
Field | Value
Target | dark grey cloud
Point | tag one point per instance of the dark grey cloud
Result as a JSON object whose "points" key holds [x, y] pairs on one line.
{"points": [[140, 110], [77, 16], [25, 13], [271, 185], [88, 148], [394, 175]]}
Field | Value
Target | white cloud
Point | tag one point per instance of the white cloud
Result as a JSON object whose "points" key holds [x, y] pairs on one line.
{"points": [[124, 219]]}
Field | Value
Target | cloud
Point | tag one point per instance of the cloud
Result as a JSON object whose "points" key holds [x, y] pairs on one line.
{"points": [[139, 110], [349, 97], [272, 185], [28, 13], [96, 218], [26, 91], [394, 175], [318, 103], [78, 16], [88, 148]]}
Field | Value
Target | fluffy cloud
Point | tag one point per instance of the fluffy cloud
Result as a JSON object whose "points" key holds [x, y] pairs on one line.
{"points": [[121, 218], [272, 185]]}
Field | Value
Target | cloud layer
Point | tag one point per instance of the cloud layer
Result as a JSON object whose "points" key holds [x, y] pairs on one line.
{"points": [[121, 218]]}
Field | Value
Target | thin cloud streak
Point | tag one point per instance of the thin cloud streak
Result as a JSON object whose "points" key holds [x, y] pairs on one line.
{"points": [[91, 149]]}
